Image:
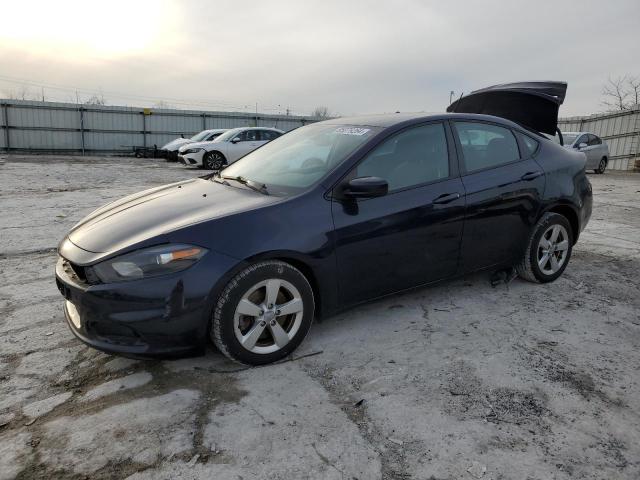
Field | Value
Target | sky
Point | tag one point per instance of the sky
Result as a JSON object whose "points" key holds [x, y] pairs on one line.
{"points": [[353, 57]]}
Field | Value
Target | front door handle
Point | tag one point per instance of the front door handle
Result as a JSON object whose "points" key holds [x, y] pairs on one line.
{"points": [[446, 198], [531, 175]]}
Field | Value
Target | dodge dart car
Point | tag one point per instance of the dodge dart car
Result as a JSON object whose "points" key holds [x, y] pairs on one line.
{"points": [[323, 218]]}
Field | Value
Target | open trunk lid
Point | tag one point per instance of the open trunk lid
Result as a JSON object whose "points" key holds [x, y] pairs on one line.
{"points": [[531, 104]]}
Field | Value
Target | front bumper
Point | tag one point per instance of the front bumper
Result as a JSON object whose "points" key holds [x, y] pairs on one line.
{"points": [[191, 158], [170, 155], [155, 317]]}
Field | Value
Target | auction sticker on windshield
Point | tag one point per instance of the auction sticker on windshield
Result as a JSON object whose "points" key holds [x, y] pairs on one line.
{"points": [[351, 130]]}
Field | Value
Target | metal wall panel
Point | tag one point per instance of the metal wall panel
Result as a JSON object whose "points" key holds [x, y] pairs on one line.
{"points": [[620, 130], [56, 127]]}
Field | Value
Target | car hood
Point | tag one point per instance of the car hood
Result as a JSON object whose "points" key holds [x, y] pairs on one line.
{"points": [[531, 104], [158, 211], [196, 145], [174, 144]]}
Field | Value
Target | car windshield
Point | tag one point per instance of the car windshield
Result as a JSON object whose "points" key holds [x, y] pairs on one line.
{"points": [[300, 158], [199, 136]]}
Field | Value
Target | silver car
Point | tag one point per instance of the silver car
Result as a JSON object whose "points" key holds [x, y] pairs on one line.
{"points": [[592, 146]]}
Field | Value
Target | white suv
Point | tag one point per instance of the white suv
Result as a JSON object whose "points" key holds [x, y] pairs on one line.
{"points": [[227, 148]]}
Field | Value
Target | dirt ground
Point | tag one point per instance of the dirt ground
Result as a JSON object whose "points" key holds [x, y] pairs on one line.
{"points": [[456, 381]]}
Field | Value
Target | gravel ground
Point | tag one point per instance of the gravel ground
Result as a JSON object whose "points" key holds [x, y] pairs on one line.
{"points": [[456, 381]]}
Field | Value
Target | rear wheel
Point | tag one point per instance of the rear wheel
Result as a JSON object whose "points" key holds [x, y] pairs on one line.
{"points": [[548, 251], [602, 166], [213, 161], [263, 314]]}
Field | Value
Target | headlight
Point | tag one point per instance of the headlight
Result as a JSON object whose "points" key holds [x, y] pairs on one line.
{"points": [[193, 150], [148, 262]]}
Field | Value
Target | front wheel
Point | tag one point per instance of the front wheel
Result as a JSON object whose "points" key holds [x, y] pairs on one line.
{"points": [[213, 161], [548, 251], [263, 314], [602, 166]]}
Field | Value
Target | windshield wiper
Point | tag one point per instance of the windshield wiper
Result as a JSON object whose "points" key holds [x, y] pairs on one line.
{"points": [[249, 183]]}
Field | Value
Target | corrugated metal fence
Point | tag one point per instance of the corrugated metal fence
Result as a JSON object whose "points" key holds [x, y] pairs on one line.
{"points": [[620, 130], [52, 127]]}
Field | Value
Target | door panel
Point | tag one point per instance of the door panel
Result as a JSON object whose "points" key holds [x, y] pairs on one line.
{"points": [[410, 236], [503, 195], [397, 241]]}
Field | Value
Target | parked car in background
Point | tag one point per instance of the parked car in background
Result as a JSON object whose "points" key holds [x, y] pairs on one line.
{"points": [[328, 216], [171, 149], [596, 151], [227, 148]]}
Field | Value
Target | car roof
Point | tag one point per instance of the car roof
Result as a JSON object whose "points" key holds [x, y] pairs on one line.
{"points": [[387, 120]]}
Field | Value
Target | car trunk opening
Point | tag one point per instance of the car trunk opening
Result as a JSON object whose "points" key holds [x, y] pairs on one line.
{"points": [[532, 104]]}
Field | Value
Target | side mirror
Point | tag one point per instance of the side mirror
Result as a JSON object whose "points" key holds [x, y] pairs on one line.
{"points": [[366, 187], [235, 140], [581, 146]]}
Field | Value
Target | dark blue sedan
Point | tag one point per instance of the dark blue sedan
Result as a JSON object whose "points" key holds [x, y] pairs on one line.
{"points": [[325, 217]]}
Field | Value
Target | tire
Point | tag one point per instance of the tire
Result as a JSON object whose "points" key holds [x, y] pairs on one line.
{"points": [[533, 266], [602, 166], [242, 325], [213, 161]]}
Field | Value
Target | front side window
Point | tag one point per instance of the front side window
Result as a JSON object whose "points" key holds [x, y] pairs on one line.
{"points": [[412, 157], [593, 140], [251, 135], [485, 145], [583, 139], [302, 157]]}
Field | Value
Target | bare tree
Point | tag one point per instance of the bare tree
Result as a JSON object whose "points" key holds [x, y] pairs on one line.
{"points": [[621, 93], [163, 104], [96, 99], [321, 112], [23, 92], [615, 93], [634, 91]]}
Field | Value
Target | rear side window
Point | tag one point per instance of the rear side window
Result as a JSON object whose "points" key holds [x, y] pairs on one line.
{"points": [[485, 145], [530, 145], [268, 135], [593, 140], [410, 158]]}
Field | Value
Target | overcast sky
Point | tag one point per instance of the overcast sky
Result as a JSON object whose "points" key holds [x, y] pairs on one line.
{"points": [[351, 56]]}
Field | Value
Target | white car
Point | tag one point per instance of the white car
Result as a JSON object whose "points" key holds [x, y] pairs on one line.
{"points": [[596, 151], [172, 147], [227, 148]]}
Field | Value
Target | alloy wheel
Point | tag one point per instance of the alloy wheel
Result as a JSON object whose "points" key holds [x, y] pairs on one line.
{"points": [[214, 161], [268, 316], [552, 249], [602, 166]]}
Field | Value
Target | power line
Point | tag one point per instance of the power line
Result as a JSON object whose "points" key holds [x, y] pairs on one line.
{"points": [[72, 91]]}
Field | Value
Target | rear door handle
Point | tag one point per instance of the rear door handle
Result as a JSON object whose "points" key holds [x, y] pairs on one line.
{"points": [[446, 198], [531, 175]]}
